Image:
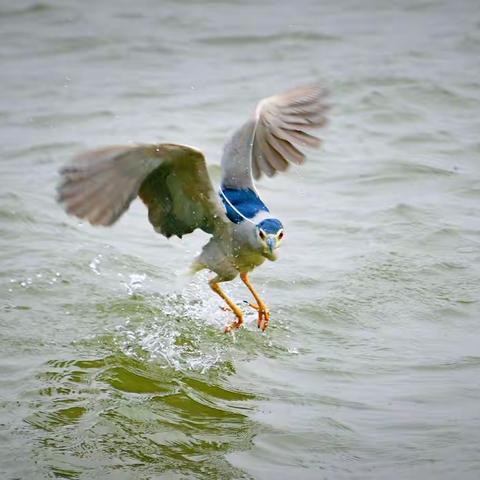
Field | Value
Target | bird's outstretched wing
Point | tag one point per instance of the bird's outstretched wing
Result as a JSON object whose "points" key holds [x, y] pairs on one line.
{"points": [[270, 141], [172, 180]]}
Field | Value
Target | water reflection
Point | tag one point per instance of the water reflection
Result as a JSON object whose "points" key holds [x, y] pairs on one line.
{"points": [[108, 413]]}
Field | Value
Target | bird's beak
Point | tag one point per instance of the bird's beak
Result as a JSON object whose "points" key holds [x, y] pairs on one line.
{"points": [[271, 243]]}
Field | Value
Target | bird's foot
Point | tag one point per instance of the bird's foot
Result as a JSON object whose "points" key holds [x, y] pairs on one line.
{"points": [[234, 325], [231, 306], [263, 316]]}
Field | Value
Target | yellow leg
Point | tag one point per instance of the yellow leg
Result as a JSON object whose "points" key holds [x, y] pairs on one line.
{"points": [[263, 312], [238, 313]]}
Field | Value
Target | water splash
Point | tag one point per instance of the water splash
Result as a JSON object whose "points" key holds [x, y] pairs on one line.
{"points": [[95, 263], [185, 331], [135, 282]]}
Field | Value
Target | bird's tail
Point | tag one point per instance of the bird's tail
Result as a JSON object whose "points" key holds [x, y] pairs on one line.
{"points": [[184, 277], [195, 267]]}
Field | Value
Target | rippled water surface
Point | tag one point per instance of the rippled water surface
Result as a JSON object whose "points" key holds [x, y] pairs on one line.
{"points": [[114, 366]]}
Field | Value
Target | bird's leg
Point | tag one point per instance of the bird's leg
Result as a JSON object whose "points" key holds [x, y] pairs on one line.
{"points": [[263, 312], [238, 313]]}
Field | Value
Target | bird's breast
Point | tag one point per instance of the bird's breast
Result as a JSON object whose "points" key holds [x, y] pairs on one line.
{"points": [[246, 260]]}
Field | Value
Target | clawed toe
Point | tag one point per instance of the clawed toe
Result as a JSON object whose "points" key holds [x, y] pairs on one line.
{"points": [[263, 319], [263, 315], [253, 305], [233, 326]]}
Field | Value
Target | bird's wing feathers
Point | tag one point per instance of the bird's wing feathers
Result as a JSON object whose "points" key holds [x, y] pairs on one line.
{"points": [[172, 180], [270, 141]]}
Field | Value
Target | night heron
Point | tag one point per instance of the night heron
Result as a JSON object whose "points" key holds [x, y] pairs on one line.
{"points": [[173, 182]]}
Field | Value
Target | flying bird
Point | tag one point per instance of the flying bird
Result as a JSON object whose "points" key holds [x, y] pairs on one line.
{"points": [[173, 182]]}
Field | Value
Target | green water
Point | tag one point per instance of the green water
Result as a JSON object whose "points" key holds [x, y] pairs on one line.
{"points": [[114, 366]]}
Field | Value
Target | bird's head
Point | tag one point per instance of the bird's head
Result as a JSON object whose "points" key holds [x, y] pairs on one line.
{"points": [[269, 235]]}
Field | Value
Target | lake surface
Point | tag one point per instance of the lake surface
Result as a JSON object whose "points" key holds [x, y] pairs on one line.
{"points": [[113, 366]]}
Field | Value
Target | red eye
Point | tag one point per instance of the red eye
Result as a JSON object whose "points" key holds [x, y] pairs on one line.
{"points": [[280, 235], [262, 235]]}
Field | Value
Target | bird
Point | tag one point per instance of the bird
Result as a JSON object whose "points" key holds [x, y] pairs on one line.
{"points": [[173, 182]]}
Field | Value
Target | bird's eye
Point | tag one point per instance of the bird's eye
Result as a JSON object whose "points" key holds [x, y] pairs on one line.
{"points": [[261, 234], [280, 235]]}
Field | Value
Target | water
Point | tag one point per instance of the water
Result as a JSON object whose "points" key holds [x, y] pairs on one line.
{"points": [[114, 367]]}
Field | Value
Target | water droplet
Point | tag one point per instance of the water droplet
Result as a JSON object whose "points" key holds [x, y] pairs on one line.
{"points": [[94, 264]]}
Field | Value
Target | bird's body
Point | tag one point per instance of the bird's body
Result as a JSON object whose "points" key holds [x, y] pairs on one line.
{"points": [[229, 259], [172, 180]]}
